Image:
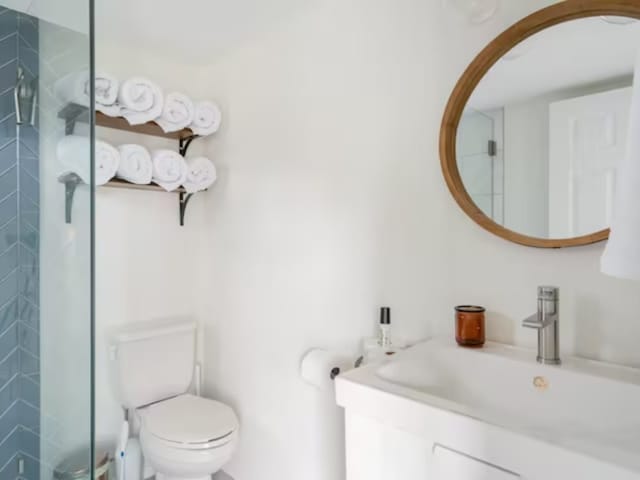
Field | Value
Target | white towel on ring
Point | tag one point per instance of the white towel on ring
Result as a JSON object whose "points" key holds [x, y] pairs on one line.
{"points": [[177, 112], [621, 257], [201, 174], [76, 88], [207, 118], [169, 169], [141, 100], [135, 164], [73, 153]]}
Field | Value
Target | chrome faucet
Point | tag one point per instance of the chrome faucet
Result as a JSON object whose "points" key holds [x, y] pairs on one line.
{"points": [[546, 321]]}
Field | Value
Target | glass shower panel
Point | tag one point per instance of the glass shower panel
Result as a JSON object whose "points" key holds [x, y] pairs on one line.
{"points": [[46, 323], [480, 161]]}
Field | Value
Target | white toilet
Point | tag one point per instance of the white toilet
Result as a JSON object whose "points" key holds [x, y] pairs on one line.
{"points": [[183, 436]]}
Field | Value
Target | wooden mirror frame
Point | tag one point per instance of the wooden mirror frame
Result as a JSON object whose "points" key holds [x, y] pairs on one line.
{"points": [[534, 23]]}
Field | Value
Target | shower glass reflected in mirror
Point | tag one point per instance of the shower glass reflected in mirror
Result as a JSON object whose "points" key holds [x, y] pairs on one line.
{"points": [[540, 138]]}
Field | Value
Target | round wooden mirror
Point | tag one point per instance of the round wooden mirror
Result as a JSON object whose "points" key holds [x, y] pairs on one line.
{"points": [[536, 124]]}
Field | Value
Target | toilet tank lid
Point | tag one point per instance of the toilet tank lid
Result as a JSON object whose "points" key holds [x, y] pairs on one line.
{"points": [[145, 330]]}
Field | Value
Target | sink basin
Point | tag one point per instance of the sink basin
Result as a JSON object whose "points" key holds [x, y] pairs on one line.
{"points": [[583, 406]]}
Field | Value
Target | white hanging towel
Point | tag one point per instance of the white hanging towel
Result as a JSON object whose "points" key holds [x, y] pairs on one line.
{"points": [[207, 118], [76, 88], [201, 174], [177, 112], [73, 155], [141, 100], [135, 164], [621, 256], [169, 169]]}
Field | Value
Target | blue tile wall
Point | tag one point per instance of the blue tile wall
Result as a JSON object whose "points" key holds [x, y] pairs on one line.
{"points": [[19, 257]]}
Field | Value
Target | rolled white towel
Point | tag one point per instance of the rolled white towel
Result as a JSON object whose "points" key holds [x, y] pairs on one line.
{"points": [[135, 164], [177, 112], [76, 88], [201, 174], [169, 169], [73, 155], [141, 100], [207, 118]]}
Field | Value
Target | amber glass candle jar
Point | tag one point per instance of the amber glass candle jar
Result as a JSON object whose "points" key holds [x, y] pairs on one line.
{"points": [[470, 325]]}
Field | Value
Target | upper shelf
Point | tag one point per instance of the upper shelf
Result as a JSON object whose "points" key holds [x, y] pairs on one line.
{"points": [[73, 113]]}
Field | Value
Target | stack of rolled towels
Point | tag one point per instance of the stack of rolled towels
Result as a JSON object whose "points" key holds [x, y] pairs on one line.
{"points": [[139, 100], [135, 164]]}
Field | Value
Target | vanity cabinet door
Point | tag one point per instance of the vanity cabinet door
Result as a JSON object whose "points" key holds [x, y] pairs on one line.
{"points": [[449, 464]]}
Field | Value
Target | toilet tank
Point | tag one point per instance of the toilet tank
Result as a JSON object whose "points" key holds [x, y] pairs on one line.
{"points": [[153, 360]]}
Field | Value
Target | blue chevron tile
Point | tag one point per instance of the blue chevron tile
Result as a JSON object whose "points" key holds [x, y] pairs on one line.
{"points": [[30, 163], [9, 417], [8, 208], [29, 186], [29, 237], [28, 29], [31, 469], [27, 57], [30, 139], [28, 284], [9, 43], [28, 339], [9, 261], [8, 180], [9, 393], [30, 443], [8, 76], [29, 313], [8, 449], [8, 367], [29, 365], [8, 234], [29, 416], [29, 212], [9, 339], [8, 156], [8, 22], [8, 314], [8, 287], [29, 390], [28, 259]]}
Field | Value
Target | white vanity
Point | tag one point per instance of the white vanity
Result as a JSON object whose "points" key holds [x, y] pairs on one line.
{"points": [[442, 412]]}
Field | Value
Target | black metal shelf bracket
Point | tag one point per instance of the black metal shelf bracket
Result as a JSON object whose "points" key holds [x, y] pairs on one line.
{"points": [[184, 201], [184, 144], [71, 182]]}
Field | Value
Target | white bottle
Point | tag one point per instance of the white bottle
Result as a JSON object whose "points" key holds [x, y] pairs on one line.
{"points": [[384, 336]]}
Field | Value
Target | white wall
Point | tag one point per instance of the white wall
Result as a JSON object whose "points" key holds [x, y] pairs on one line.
{"points": [[331, 203], [147, 266]]}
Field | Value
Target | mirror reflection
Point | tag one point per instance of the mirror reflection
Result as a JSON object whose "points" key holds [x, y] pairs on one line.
{"points": [[538, 143]]}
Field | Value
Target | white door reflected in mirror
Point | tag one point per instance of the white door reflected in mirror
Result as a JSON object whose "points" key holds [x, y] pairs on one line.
{"points": [[541, 135]]}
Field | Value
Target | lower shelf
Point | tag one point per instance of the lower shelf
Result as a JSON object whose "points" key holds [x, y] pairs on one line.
{"points": [[72, 180]]}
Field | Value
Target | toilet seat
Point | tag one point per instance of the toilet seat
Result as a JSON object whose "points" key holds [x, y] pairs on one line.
{"points": [[190, 422]]}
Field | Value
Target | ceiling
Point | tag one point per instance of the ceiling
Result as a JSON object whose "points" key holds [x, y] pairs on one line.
{"points": [[189, 30], [578, 53]]}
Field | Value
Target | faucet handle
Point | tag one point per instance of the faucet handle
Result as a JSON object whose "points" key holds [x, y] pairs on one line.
{"points": [[533, 321]]}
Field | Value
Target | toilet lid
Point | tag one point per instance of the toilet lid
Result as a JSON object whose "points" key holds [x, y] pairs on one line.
{"points": [[190, 419]]}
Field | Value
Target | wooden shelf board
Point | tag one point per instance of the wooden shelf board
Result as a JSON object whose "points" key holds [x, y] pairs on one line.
{"points": [[75, 112], [119, 183]]}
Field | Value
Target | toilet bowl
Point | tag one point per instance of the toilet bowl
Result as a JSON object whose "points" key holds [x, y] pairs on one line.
{"points": [[187, 437], [183, 436]]}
